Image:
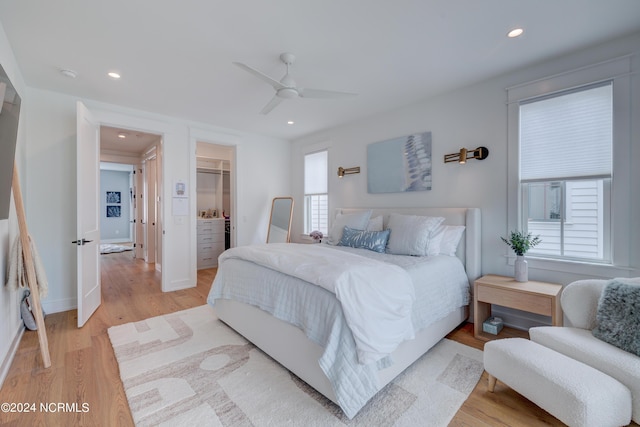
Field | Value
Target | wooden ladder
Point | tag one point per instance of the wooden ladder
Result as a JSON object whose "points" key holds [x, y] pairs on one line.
{"points": [[36, 307]]}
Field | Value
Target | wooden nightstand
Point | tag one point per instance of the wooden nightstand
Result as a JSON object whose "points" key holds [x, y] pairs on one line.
{"points": [[533, 297]]}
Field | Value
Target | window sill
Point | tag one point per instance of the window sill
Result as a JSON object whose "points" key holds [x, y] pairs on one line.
{"points": [[576, 267]]}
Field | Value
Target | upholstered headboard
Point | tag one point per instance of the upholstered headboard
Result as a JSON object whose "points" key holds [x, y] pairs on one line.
{"points": [[468, 251]]}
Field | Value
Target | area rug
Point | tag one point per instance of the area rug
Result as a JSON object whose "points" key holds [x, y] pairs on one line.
{"points": [[107, 248], [189, 368]]}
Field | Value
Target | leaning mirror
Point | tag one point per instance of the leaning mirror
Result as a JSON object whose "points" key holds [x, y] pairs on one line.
{"points": [[280, 220], [9, 112]]}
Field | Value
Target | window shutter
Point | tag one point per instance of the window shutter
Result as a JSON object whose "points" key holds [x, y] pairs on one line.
{"points": [[315, 173], [567, 136]]}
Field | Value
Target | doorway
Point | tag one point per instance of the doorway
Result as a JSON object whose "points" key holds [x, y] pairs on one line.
{"points": [[116, 208], [215, 201], [131, 179]]}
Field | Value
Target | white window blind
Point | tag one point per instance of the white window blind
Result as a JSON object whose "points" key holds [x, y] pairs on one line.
{"points": [[567, 136], [315, 173], [316, 199]]}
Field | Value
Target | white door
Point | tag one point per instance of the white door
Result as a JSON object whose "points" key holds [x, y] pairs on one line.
{"points": [[132, 213], [150, 205], [139, 212], [88, 207]]}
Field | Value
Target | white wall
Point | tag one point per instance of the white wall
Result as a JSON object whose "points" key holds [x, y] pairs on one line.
{"points": [[468, 117], [51, 165], [11, 324]]}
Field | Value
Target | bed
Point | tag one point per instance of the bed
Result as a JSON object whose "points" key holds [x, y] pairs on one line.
{"points": [[308, 328]]}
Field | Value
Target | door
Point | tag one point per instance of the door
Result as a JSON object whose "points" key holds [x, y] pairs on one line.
{"points": [[138, 212], [132, 213], [150, 208], [88, 206]]}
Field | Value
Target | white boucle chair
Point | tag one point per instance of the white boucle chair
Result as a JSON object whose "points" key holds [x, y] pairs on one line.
{"points": [[580, 303], [576, 394]]}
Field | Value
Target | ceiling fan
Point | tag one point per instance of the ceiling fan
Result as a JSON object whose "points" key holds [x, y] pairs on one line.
{"points": [[286, 88]]}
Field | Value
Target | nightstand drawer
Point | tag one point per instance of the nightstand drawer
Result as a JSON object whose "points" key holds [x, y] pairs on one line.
{"points": [[532, 303]]}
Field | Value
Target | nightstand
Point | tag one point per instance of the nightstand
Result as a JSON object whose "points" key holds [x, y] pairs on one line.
{"points": [[533, 297]]}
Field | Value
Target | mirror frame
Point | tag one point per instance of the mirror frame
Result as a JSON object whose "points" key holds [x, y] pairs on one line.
{"points": [[273, 204], [9, 124]]}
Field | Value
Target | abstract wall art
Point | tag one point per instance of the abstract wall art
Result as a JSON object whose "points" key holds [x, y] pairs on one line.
{"points": [[113, 197], [113, 211], [400, 164]]}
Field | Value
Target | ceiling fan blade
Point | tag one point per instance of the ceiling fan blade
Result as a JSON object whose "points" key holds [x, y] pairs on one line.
{"points": [[274, 83], [275, 101], [319, 93]]}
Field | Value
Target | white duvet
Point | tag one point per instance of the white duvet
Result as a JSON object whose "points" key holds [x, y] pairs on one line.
{"points": [[376, 297]]}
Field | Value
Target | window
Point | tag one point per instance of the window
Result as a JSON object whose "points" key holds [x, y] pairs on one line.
{"points": [[598, 199], [566, 142], [316, 198]]}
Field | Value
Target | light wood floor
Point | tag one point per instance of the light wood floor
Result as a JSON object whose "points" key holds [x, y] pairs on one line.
{"points": [[84, 369]]}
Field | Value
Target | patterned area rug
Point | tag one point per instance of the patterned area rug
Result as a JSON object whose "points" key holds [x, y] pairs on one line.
{"points": [[189, 368]]}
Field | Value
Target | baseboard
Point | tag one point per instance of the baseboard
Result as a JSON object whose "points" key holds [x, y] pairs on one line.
{"points": [[178, 285], [57, 306], [6, 363]]}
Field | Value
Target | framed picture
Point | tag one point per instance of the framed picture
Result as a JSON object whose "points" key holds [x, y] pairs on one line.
{"points": [[113, 211], [113, 197], [400, 164]]}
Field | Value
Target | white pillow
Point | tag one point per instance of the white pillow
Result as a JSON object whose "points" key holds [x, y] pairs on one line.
{"points": [[375, 224], [357, 221], [450, 238], [433, 247], [410, 234]]}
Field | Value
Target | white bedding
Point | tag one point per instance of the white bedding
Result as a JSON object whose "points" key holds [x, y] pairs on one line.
{"points": [[379, 315], [440, 286]]}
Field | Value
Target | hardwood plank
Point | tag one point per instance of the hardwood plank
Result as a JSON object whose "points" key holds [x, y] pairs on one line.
{"points": [[84, 368]]}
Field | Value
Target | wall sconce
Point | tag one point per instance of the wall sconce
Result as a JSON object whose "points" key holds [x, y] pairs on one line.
{"points": [[348, 171], [479, 153]]}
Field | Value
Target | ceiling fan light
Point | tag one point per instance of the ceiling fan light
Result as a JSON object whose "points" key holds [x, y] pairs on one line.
{"points": [[288, 93]]}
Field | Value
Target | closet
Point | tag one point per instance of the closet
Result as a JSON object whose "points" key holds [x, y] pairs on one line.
{"points": [[213, 187]]}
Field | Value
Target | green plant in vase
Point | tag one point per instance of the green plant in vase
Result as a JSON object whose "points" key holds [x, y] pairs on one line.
{"points": [[520, 243]]}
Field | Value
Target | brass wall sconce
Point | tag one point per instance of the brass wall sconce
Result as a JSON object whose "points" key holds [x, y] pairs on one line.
{"points": [[479, 153], [348, 171]]}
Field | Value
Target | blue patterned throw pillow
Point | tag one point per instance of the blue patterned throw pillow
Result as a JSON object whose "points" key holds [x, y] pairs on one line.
{"points": [[372, 240]]}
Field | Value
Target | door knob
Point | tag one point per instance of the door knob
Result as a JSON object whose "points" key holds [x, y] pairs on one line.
{"points": [[81, 242]]}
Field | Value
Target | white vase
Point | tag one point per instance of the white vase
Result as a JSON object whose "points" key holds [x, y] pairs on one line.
{"points": [[521, 269]]}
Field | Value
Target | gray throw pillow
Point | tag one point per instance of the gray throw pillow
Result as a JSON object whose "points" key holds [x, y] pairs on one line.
{"points": [[618, 316]]}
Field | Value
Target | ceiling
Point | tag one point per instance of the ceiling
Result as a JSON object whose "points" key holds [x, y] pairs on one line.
{"points": [[126, 141], [176, 58]]}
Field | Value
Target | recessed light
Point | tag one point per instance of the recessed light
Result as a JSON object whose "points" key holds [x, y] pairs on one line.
{"points": [[113, 75], [69, 73], [122, 135], [516, 32], [290, 122]]}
